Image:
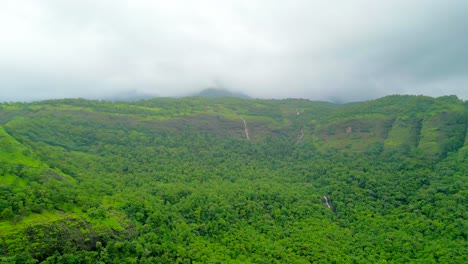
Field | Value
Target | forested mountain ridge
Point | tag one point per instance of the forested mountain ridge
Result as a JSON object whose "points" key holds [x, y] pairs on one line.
{"points": [[196, 180]]}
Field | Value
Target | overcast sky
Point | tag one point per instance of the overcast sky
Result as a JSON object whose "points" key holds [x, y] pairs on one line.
{"points": [[344, 50]]}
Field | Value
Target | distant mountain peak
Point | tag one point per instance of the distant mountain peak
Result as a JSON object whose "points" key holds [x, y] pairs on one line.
{"points": [[220, 92], [129, 96]]}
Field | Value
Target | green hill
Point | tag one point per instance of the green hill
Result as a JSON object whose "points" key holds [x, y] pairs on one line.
{"points": [[230, 180]]}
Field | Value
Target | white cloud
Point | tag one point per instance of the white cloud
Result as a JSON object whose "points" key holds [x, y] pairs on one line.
{"points": [[349, 50]]}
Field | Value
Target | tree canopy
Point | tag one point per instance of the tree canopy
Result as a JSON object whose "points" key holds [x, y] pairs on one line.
{"points": [[180, 181]]}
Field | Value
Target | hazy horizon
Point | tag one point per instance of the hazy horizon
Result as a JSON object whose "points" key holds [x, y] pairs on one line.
{"points": [[318, 50]]}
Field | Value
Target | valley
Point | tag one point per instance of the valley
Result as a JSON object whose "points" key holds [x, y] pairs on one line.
{"points": [[234, 180]]}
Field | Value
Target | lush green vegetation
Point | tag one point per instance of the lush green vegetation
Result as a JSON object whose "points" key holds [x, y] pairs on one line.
{"points": [[178, 181]]}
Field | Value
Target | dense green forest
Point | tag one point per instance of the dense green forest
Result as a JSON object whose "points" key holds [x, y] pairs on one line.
{"points": [[230, 180]]}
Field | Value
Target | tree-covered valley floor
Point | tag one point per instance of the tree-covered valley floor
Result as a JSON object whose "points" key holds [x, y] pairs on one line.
{"points": [[227, 180]]}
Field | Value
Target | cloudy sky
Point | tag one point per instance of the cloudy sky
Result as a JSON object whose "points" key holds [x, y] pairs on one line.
{"points": [[341, 50]]}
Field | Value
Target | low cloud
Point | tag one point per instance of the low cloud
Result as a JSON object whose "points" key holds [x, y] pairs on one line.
{"points": [[321, 50]]}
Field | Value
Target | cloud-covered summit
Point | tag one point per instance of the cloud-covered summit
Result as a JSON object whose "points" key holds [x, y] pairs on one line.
{"points": [[347, 50]]}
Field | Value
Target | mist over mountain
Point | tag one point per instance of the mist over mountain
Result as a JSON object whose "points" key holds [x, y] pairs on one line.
{"points": [[233, 131], [134, 95], [128, 96], [268, 49], [220, 92]]}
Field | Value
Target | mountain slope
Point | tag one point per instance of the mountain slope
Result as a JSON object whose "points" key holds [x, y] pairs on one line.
{"points": [[177, 180]]}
